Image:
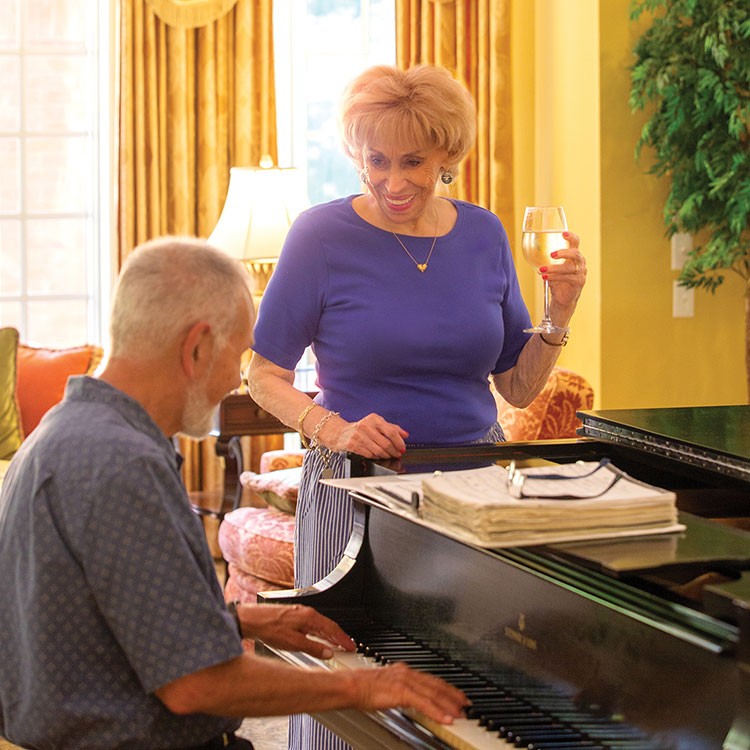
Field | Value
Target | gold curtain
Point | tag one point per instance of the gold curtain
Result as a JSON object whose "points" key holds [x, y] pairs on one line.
{"points": [[471, 38], [195, 100]]}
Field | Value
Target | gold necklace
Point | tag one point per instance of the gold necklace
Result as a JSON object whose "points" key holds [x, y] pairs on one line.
{"points": [[421, 267]]}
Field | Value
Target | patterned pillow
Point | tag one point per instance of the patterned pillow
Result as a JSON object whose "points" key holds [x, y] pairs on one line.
{"points": [[11, 431], [278, 488], [43, 374], [552, 414]]}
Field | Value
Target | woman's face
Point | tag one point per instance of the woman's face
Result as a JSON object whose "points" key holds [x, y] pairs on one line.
{"points": [[402, 182]]}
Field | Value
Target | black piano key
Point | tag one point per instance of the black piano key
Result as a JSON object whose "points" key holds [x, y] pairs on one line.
{"points": [[489, 694], [542, 732], [632, 745], [514, 730], [484, 713], [565, 745], [542, 738], [505, 721], [467, 684], [388, 657], [563, 724]]}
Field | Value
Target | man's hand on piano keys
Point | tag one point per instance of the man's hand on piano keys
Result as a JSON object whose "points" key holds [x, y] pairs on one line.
{"points": [[396, 685], [288, 627]]}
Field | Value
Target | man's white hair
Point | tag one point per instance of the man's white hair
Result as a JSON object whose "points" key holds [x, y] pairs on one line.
{"points": [[166, 286]]}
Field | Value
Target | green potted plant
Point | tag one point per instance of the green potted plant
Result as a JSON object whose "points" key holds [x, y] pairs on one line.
{"points": [[692, 72]]}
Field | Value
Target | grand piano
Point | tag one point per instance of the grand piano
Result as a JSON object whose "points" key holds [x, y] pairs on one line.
{"points": [[641, 644]]}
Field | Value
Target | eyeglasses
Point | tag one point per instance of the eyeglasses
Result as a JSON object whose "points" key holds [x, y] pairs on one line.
{"points": [[516, 480]]}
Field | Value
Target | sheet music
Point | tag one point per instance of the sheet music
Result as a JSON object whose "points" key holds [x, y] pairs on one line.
{"points": [[476, 505]]}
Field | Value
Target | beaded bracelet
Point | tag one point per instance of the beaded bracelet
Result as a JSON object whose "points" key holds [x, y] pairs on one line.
{"points": [[300, 420]]}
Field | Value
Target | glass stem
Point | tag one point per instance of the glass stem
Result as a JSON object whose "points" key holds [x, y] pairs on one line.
{"points": [[546, 301]]}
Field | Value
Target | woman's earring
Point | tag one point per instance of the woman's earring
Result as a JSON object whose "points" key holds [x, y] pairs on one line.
{"points": [[363, 176], [446, 178]]}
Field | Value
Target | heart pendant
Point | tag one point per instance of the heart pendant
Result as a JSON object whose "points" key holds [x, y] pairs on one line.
{"points": [[422, 267]]}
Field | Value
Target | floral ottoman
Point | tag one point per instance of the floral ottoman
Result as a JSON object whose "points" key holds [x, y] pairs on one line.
{"points": [[258, 545]]}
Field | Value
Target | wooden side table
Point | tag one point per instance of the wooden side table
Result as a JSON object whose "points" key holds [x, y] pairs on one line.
{"points": [[239, 415]]}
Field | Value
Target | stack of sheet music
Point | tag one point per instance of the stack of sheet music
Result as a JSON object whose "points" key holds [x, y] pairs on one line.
{"points": [[495, 506]]}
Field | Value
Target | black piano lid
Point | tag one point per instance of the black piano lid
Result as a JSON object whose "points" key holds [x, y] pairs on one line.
{"points": [[711, 437]]}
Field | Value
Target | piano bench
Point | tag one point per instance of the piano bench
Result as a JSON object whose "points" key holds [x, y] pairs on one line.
{"points": [[258, 545]]}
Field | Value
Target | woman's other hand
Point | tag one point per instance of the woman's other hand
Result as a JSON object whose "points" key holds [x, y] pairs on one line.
{"points": [[371, 437]]}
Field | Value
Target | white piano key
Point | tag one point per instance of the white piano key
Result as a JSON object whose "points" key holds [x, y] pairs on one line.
{"points": [[463, 734]]}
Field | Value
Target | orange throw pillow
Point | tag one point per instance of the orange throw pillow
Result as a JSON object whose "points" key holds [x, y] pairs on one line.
{"points": [[42, 375]]}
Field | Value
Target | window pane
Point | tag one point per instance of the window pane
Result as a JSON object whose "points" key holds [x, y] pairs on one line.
{"points": [[10, 256], [54, 178], [10, 92], [10, 315], [9, 11], [57, 323], [57, 93], [53, 100], [339, 38], [56, 256], [56, 23], [10, 175]]}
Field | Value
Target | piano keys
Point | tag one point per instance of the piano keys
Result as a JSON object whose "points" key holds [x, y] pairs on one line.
{"points": [[639, 644]]}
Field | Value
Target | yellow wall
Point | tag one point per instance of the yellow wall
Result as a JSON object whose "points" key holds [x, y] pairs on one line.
{"points": [[571, 80]]}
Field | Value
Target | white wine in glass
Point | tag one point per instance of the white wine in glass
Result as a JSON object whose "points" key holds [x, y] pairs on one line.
{"points": [[543, 228]]}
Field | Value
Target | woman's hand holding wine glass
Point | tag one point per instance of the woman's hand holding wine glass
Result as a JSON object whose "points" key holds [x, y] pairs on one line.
{"points": [[549, 246]]}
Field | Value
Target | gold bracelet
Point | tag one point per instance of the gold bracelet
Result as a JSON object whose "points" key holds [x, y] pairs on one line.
{"points": [[562, 342], [314, 443], [300, 420]]}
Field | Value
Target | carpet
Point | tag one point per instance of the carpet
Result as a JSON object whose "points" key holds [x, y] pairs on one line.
{"points": [[267, 733]]}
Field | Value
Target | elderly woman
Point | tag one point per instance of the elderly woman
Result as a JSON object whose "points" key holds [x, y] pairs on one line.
{"points": [[410, 301]]}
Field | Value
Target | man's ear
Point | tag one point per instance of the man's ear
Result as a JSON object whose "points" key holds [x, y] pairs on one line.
{"points": [[197, 348]]}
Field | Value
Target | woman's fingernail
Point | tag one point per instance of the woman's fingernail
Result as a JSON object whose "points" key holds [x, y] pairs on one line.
{"points": [[545, 277], [553, 254], [543, 269]]}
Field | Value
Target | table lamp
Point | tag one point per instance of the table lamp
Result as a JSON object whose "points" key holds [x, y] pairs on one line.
{"points": [[261, 204]]}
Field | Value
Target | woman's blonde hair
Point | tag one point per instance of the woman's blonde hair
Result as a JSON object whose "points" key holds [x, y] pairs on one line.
{"points": [[423, 106]]}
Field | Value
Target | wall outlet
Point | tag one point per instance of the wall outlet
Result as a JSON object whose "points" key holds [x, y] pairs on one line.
{"points": [[682, 244], [683, 301]]}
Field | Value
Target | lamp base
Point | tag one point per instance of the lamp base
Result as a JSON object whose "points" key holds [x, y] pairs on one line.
{"points": [[260, 271]]}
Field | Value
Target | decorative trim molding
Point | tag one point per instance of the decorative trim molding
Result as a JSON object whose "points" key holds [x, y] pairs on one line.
{"points": [[189, 14]]}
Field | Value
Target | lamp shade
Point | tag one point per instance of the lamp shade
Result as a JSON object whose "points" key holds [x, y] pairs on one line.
{"points": [[261, 204]]}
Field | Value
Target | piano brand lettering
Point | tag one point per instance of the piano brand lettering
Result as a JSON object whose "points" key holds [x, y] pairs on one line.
{"points": [[518, 635]]}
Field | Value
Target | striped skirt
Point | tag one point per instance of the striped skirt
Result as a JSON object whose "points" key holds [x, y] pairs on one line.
{"points": [[323, 528]]}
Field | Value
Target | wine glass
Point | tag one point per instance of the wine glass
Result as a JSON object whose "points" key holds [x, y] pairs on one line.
{"points": [[543, 228]]}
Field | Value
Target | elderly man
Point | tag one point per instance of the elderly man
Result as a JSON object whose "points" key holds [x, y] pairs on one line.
{"points": [[113, 628]]}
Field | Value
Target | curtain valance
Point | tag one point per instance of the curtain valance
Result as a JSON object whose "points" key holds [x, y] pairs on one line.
{"points": [[189, 14]]}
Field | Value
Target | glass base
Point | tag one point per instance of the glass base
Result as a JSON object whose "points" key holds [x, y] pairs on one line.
{"points": [[546, 326]]}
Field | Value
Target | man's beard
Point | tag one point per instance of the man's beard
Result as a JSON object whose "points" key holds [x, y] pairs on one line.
{"points": [[198, 414]]}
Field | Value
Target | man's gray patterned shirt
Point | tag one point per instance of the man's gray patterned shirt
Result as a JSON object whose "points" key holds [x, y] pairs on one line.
{"points": [[107, 586]]}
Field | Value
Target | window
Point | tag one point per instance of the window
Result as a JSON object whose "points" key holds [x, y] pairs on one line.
{"points": [[319, 47], [53, 276]]}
